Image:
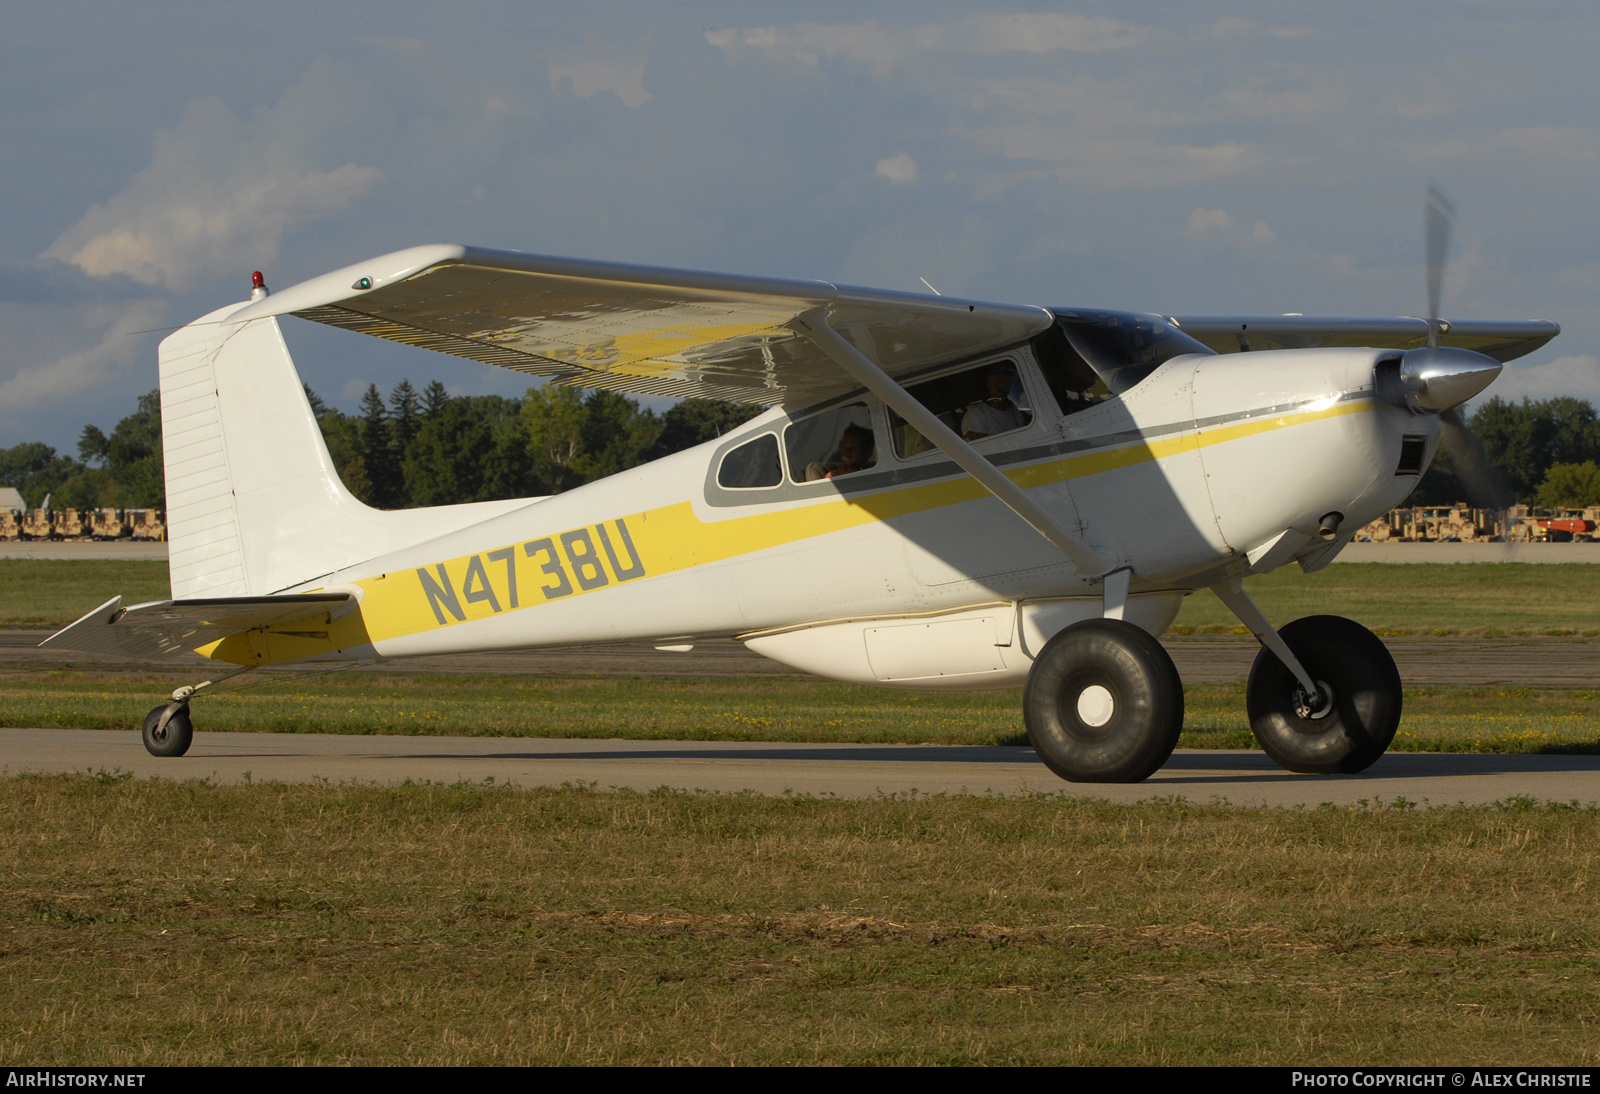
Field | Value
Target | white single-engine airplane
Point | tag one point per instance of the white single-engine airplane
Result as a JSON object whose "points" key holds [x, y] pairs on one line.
{"points": [[944, 494]]}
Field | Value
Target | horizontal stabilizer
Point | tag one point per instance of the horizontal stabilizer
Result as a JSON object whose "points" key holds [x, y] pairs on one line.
{"points": [[166, 630]]}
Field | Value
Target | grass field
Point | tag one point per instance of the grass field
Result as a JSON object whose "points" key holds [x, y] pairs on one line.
{"points": [[1471, 599], [1412, 599], [54, 592], [1437, 719], [148, 923], [1443, 599]]}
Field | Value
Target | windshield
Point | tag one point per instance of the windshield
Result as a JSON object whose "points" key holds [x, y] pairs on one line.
{"points": [[1124, 347]]}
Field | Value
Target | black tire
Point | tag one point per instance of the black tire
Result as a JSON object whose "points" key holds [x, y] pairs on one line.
{"points": [[1140, 698], [175, 737], [1352, 731]]}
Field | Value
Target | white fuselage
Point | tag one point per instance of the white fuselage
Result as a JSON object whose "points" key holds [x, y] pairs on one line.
{"points": [[1209, 467]]}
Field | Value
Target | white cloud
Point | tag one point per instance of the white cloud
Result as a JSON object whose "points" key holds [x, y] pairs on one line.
{"points": [[897, 168], [1577, 375], [1042, 32], [590, 71], [809, 44], [31, 388], [1216, 224], [1235, 27], [219, 195], [1203, 220], [881, 49], [1103, 161]]}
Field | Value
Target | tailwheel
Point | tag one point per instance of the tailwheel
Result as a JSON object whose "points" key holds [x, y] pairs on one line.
{"points": [[1103, 703], [170, 735], [1349, 723]]}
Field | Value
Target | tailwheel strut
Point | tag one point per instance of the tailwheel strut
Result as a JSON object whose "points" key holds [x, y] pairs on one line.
{"points": [[168, 729]]}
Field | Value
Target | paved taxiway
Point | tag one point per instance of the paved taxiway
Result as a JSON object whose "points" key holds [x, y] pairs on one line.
{"points": [[1201, 659], [852, 771]]}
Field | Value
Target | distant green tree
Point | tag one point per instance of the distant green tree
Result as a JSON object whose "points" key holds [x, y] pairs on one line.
{"points": [[1524, 439], [93, 446], [695, 421], [130, 471], [318, 407], [378, 455], [342, 435], [472, 449], [553, 420], [1570, 485], [405, 408], [434, 397], [615, 434]]}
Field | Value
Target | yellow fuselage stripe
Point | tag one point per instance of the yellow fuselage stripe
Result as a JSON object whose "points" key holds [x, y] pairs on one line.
{"points": [[673, 538]]}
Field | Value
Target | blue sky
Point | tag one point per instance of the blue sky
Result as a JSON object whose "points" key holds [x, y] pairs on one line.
{"points": [[1251, 157]]}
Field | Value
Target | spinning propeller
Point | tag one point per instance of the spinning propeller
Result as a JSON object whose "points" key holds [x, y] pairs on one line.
{"points": [[1438, 379]]}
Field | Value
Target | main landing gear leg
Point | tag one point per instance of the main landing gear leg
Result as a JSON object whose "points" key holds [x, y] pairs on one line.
{"points": [[168, 729], [1324, 695]]}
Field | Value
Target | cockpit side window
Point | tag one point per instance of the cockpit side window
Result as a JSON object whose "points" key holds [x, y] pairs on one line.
{"points": [[752, 465], [1124, 347], [975, 403], [1072, 381], [838, 441]]}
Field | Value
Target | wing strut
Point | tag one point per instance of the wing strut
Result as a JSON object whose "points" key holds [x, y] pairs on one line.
{"points": [[1086, 560]]}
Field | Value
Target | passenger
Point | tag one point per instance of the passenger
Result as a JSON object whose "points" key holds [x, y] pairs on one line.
{"points": [[997, 413], [855, 453]]}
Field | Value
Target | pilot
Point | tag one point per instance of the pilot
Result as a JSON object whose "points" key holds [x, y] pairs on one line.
{"points": [[855, 453], [996, 413]]}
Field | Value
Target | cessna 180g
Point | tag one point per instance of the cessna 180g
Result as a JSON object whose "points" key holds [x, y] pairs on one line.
{"points": [[944, 493]]}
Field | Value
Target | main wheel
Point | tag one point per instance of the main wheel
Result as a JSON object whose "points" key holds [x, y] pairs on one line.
{"points": [[1103, 703], [172, 739], [1346, 727]]}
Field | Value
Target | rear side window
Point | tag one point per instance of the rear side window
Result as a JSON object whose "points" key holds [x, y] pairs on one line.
{"points": [[751, 465], [833, 443]]}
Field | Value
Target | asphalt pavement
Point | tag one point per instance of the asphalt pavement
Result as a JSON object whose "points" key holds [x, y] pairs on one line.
{"points": [[1242, 778]]}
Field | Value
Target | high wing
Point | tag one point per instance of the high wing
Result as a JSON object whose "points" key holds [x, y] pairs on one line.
{"points": [[644, 329], [685, 333], [172, 629], [1504, 340]]}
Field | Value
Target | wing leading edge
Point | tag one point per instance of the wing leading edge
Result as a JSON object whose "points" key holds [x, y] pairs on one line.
{"points": [[653, 330]]}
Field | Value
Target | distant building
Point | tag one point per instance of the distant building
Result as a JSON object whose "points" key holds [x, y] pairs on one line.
{"points": [[10, 498]]}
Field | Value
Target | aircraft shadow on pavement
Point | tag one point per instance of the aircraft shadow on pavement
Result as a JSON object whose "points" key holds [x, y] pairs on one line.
{"points": [[954, 754], [1183, 766]]}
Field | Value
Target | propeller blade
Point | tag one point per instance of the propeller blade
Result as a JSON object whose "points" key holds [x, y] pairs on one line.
{"points": [[1486, 488], [1440, 211]]}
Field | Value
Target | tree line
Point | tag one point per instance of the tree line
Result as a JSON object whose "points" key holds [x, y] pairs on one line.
{"points": [[411, 449], [432, 448], [1546, 451]]}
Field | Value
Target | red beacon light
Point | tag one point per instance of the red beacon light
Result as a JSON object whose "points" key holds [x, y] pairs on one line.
{"points": [[258, 286]]}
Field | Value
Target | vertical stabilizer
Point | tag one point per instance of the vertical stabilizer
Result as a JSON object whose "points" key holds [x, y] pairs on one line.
{"points": [[254, 504]]}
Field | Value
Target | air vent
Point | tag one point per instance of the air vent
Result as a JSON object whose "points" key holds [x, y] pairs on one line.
{"points": [[1412, 448]]}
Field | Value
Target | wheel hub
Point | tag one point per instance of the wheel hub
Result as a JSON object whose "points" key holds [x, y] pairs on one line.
{"points": [[1314, 707], [1096, 705]]}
